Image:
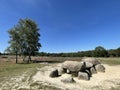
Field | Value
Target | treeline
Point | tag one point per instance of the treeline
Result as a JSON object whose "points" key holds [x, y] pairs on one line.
{"points": [[97, 52]]}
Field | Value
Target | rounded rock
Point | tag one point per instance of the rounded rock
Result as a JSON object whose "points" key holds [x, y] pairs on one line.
{"points": [[73, 66], [88, 64], [93, 70], [54, 73], [60, 71], [83, 76], [100, 68], [94, 61], [68, 71]]}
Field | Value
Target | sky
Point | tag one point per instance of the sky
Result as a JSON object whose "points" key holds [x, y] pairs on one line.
{"points": [[65, 25]]}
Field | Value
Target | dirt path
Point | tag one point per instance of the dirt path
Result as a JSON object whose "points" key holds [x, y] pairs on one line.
{"points": [[110, 80]]}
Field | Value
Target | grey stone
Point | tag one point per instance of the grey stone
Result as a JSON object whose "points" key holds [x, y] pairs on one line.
{"points": [[83, 76], [100, 68], [68, 71], [73, 66], [94, 61], [54, 73], [60, 71], [93, 70], [88, 64]]}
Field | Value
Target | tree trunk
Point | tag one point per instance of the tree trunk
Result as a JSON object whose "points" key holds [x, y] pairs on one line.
{"points": [[16, 57], [29, 58], [23, 58], [28, 61]]}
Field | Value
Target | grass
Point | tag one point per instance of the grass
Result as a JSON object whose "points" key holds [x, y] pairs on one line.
{"points": [[110, 61], [9, 69], [16, 68]]}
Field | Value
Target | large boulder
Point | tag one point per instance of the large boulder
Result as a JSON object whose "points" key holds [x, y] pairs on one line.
{"points": [[73, 66], [54, 73], [83, 76], [94, 61], [100, 68], [68, 80]]}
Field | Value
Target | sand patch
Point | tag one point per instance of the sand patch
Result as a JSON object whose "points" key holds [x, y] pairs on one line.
{"points": [[100, 81]]}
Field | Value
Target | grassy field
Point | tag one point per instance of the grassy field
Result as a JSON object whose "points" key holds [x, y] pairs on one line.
{"points": [[110, 61], [8, 68]]}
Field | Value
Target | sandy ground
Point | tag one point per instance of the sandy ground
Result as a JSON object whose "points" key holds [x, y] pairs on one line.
{"points": [[110, 80]]}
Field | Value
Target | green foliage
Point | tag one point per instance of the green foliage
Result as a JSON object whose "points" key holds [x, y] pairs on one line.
{"points": [[112, 53], [24, 38], [100, 52], [118, 52]]}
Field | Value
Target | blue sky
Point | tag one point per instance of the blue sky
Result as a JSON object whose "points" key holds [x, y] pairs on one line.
{"points": [[65, 25]]}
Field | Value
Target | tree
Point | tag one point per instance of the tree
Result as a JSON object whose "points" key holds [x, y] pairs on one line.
{"points": [[14, 42], [100, 52], [118, 52], [24, 38], [112, 53], [30, 37]]}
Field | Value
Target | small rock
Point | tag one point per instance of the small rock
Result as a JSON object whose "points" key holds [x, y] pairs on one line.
{"points": [[68, 80], [93, 70], [54, 73], [68, 71], [100, 68], [83, 76]]}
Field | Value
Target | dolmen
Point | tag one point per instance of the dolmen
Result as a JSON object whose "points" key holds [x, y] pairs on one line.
{"points": [[83, 69]]}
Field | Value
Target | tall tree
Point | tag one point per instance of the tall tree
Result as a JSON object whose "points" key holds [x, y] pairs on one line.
{"points": [[32, 37], [14, 42], [25, 38]]}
